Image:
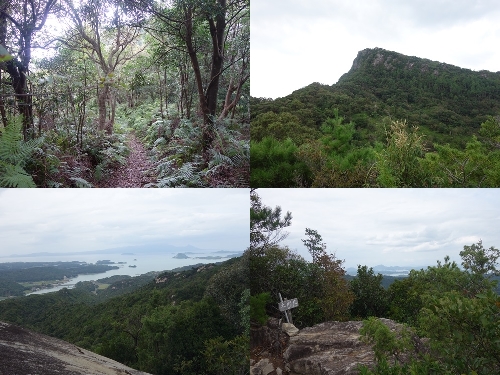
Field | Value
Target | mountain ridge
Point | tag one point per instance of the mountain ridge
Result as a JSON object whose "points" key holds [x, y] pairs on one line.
{"points": [[363, 54], [146, 249], [386, 270], [446, 99], [391, 121]]}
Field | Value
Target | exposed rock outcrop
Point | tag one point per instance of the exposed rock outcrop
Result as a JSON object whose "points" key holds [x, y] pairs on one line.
{"points": [[331, 348], [263, 367], [26, 352], [267, 345]]}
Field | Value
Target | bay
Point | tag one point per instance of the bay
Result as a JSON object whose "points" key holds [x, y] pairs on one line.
{"points": [[143, 263]]}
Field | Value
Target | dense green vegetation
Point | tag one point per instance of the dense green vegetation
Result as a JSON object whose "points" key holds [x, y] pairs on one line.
{"points": [[456, 309], [391, 121], [182, 322], [10, 288], [166, 83], [13, 274], [53, 273], [320, 286]]}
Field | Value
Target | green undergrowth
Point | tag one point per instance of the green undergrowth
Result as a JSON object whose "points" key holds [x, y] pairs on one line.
{"points": [[58, 159], [175, 146]]}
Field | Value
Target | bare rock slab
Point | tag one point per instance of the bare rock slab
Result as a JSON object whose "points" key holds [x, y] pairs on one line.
{"points": [[26, 352], [330, 348]]}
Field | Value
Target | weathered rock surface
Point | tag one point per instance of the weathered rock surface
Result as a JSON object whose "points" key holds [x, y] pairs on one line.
{"points": [[330, 348], [263, 367], [289, 329], [267, 346], [25, 352]]}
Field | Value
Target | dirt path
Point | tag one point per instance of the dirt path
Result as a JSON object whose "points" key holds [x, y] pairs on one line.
{"points": [[135, 173]]}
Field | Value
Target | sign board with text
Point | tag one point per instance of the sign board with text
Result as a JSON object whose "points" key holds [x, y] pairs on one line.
{"points": [[288, 304]]}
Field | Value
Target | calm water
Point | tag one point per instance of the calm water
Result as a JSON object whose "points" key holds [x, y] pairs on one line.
{"points": [[144, 263]]}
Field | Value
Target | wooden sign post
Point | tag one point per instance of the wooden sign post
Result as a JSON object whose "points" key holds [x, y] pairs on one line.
{"points": [[286, 305]]}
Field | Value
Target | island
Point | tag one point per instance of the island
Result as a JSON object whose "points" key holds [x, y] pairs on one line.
{"points": [[181, 256]]}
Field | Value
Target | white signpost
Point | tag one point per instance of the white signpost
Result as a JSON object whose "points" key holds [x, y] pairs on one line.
{"points": [[286, 305]]}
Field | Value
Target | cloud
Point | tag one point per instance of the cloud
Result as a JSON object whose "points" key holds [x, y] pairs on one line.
{"points": [[295, 43], [69, 220], [390, 226]]}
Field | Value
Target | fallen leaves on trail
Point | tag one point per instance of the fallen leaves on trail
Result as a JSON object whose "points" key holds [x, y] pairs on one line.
{"points": [[135, 173]]}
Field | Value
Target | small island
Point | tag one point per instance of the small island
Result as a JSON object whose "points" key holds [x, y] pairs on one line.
{"points": [[106, 261], [181, 256]]}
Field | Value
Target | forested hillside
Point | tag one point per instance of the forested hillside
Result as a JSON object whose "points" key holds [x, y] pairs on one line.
{"points": [[182, 322], [118, 93], [455, 309], [392, 120], [17, 278]]}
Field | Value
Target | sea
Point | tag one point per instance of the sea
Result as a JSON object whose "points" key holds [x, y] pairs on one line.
{"points": [[143, 263]]}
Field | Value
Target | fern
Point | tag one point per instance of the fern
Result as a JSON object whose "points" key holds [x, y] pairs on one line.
{"points": [[81, 182], [14, 155], [185, 176], [13, 149], [229, 155], [159, 141], [15, 176]]}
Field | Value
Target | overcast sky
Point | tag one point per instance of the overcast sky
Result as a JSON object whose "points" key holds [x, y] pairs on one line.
{"points": [[66, 220], [298, 42], [393, 227]]}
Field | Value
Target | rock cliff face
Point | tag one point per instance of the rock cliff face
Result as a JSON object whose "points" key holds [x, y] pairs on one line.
{"points": [[25, 352], [330, 348]]}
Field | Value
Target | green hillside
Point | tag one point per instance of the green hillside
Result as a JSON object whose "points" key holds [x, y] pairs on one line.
{"points": [[182, 322], [341, 135], [18, 278]]}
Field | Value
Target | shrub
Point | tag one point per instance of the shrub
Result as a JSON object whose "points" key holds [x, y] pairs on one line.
{"points": [[275, 164], [258, 307]]}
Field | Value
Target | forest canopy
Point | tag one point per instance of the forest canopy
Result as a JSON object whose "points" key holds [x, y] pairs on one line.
{"points": [[192, 321], [86, 86]]}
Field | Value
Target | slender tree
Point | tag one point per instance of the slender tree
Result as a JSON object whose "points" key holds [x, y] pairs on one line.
{"points": [[186, 19], [20, 20], [91, 31]]}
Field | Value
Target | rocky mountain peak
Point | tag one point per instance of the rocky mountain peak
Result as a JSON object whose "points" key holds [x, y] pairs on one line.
{"points": [[373, 58]]}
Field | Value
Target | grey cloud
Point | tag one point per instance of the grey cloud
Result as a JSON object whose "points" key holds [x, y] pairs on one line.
{"points": [[445, 13], [92, 220], [405, 227], [288, 35]]}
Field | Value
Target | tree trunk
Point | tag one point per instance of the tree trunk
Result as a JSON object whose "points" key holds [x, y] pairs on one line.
{"points": [[208, 101], [160, 92], [101, 102], [111, 122], [18, 73], [3, 35], [217, 30], [231, 104]]}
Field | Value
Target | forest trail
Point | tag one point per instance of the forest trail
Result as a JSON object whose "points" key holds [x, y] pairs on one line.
{"points": [[134, 173]]}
